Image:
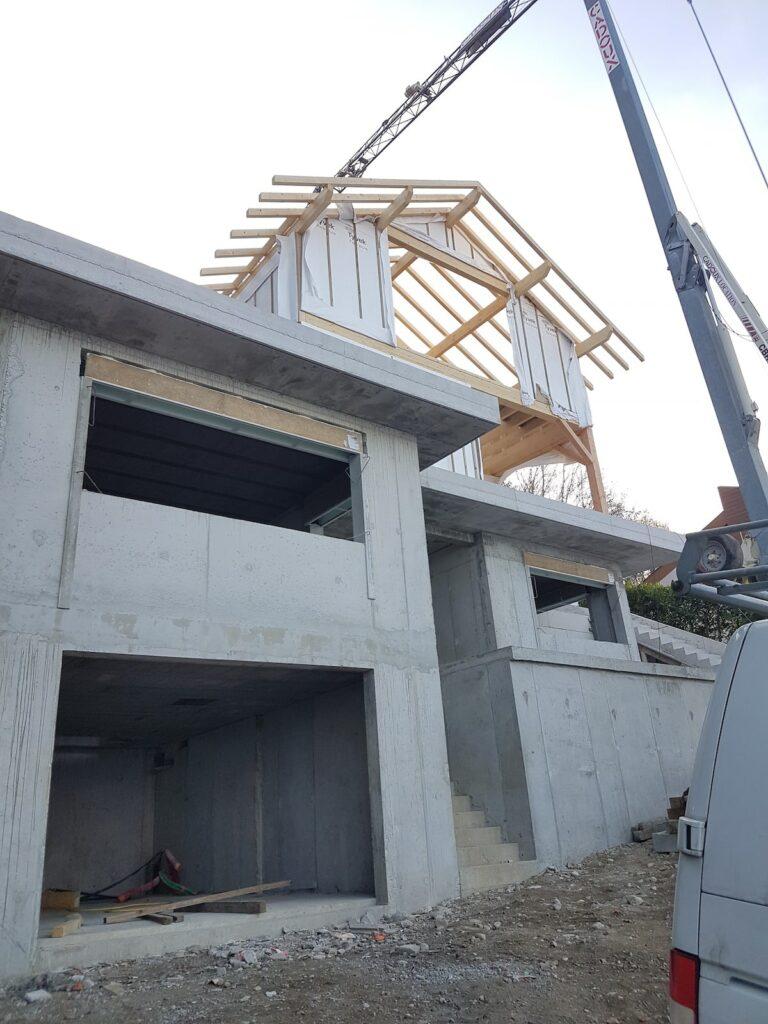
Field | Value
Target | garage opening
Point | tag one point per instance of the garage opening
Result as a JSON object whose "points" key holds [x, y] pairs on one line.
{"points": [[246, 774]]}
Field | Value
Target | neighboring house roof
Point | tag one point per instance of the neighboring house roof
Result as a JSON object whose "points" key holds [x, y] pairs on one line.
{"points": [[733, 511]]}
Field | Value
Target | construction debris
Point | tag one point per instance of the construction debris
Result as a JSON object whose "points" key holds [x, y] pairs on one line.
{"points": [[505, 955]]}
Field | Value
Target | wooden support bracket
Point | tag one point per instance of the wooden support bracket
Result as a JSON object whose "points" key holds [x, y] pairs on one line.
{"points": [[594, 340], [395, 208], [535, 277]]}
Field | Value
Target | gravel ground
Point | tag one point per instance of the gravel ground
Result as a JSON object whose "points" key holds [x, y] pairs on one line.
{"points": [[588, 943]]}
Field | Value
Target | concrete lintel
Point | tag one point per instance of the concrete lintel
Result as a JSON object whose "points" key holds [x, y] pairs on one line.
{"points": [[64, 281], [581, 660], [456, 502]]}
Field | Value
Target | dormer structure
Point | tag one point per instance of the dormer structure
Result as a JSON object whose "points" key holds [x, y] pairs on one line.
{"points": [[440, 274]]}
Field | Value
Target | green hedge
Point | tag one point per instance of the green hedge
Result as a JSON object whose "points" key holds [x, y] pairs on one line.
{"points": [[660, 603]]}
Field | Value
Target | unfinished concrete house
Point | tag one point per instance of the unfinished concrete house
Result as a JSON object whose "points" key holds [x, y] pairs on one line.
{"points": [[265, 600]]}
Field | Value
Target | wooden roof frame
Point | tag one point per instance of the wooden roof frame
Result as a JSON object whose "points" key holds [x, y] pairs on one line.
{"points": [[509, 258]]}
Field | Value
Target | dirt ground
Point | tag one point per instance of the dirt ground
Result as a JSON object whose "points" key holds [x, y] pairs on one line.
{"points": [[588, 943]]}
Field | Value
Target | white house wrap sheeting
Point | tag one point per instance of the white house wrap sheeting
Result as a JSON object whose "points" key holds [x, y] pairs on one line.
{"points": [[546, 362], [345, 276]]}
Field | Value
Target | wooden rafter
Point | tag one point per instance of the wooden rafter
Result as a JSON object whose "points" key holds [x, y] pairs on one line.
{"points": [[481, 317], [482, 256], [457, 316]]}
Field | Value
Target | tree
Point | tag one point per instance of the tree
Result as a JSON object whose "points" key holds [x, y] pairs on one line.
{"points": [[660, 603], [568, 483]]}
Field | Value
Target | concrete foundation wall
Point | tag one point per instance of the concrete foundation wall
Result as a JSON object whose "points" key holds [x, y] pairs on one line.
{"points": [[197, 591], [568, 757], [565, 742], [100, 820]]}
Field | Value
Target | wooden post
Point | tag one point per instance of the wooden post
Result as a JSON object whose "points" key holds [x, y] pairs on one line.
{"points": [[594, 475]]}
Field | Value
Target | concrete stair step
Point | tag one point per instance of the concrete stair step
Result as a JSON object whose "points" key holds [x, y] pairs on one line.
{"points": [[493, 853], [480, 877], [468, 819], [461, 803], [489, 835]]}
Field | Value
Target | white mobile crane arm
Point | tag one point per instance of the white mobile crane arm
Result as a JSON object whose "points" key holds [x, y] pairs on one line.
{"points": [[710, 565], [737, 298]]}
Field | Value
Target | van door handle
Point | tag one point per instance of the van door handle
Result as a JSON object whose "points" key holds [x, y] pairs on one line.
{"points": [[690, 836]]}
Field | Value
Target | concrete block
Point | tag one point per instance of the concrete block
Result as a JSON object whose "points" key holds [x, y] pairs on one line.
{"points": [[664, 842]]}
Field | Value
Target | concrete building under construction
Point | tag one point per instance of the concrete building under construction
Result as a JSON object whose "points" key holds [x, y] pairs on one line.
{"points": [[265, 598]]}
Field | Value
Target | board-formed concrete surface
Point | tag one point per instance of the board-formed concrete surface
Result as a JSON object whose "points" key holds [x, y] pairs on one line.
{"points": [[156, 582], [456, 502], [65, 281]]}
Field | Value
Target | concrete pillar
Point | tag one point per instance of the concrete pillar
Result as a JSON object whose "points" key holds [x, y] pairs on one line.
{"points": [[30, 669]]}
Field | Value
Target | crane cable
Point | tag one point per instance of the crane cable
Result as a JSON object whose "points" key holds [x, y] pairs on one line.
{"points": [[730, 96]]}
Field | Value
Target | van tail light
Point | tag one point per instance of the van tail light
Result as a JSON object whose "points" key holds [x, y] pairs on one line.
{"points": [[683, 987]]}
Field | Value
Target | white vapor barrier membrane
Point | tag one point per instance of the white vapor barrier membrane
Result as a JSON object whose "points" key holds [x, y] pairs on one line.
{"points": [[467, 460], [346, 278], [546, 362], [450, 240], [273, 288]]}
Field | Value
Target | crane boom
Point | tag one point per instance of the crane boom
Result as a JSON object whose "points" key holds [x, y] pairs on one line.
{"points": [[420, 95], [714, 348]]}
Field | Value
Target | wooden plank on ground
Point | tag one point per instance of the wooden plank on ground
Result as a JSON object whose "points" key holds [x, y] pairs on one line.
{"points": [[72, 923], [131, 913]]}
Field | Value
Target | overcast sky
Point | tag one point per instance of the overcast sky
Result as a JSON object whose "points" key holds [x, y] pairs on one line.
{"points": [[149, 128]]}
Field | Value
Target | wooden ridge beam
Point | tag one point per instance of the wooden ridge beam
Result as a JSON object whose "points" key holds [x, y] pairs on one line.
{"points": [[361, 197], [280, 213], [433, 254], [481, 317], [293, 179]]}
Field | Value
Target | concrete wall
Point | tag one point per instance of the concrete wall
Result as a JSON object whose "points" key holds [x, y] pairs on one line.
{"points": [[100, 818], [563, 741], [328, 602], [208, 808], [567, 756], [316, 807], [284, 795]]}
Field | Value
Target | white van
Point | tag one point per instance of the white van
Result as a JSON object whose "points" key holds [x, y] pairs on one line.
{"points": [[719, 960]]}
